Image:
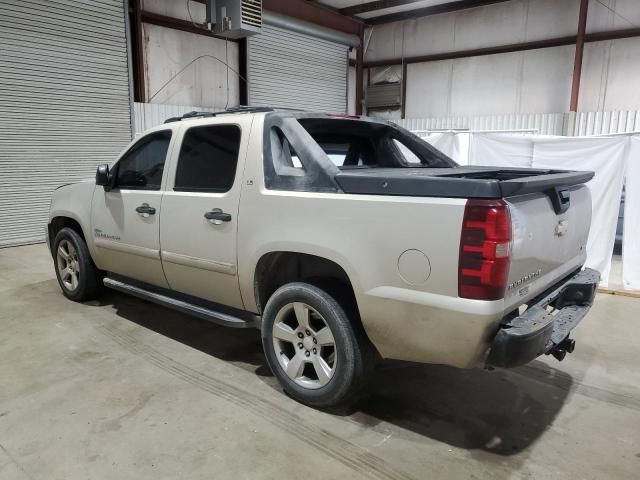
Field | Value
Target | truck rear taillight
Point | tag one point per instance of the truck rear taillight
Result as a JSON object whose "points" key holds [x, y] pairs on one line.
{"points": [[485, 250]]}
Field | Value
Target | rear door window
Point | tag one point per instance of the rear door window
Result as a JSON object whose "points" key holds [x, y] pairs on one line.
{"points": [[208, 159]]}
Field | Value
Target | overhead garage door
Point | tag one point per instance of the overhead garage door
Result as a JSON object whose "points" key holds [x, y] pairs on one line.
{"points": [[64, 103], [288, 69]]}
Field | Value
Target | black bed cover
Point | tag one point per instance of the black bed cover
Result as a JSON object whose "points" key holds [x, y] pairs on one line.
{"points": [[458, 182]]}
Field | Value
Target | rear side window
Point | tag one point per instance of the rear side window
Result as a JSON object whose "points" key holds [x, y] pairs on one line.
{"points": [[208, 159], [142, 166]]}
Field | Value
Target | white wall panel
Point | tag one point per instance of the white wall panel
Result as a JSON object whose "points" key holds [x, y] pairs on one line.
{"points": [[610, 74], [204, 82], [498, 24], [535, 81], [429, 89], [545, 80], [551, 18], [613, 15], [485, 85]]}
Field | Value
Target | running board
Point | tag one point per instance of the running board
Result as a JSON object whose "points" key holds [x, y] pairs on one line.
{"points": [[205, 313]]}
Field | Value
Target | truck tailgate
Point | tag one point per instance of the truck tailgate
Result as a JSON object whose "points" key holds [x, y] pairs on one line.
{"points": [[548, 244]]}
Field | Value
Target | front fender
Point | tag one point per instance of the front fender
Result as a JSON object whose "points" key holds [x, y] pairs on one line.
{"points": [[74, 201]]}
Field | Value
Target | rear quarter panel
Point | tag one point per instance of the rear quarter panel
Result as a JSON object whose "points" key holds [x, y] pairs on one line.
{"points": [[366, 235]]}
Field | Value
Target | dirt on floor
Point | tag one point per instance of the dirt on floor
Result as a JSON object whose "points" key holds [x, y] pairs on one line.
{"points": [[124, 389]]}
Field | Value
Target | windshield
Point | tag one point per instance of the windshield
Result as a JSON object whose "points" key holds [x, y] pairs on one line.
{"points": [[351, 143]]}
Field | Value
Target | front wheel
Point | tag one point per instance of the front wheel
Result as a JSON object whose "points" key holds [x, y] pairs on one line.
{"points": [[76, 273], [319, 357]]}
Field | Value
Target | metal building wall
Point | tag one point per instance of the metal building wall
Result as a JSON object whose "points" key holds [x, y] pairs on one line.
{"points": [[167, 52], [569, 124], [291, 70], [64, 98], [535, 81]]}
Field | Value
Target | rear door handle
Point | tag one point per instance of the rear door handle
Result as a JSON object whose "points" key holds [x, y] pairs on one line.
{"points": [[145, 210], [217, 216]]}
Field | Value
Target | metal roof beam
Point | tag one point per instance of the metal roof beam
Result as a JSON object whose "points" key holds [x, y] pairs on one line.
{"points": [[517, 47], [373, 6], [434, 10]]}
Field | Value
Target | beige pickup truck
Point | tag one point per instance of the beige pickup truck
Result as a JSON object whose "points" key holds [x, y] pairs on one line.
{"points": [[344, 239]]}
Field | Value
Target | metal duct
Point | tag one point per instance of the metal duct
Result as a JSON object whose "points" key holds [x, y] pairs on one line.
{"points": [[306, 28]]}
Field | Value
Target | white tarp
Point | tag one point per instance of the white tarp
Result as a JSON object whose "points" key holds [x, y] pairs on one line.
{"points": [[454, 145], [501, 150], [631, 230], [605, 156]]}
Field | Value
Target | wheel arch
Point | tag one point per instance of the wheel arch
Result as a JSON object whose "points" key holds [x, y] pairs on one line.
{"points": [[59, 222], [277, 268]]}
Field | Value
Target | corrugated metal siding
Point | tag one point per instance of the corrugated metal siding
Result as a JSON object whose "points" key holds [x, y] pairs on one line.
{"points": [[601, 123], [546, 124], [567, 124], [292, 70], [64, 98]]}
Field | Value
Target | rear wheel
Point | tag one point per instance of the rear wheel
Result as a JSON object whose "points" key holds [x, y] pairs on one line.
{"points": [[312, 346], [77, 276]]}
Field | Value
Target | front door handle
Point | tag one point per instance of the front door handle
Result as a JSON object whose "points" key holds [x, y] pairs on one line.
{"points": [[145, 210], [217, 216]]}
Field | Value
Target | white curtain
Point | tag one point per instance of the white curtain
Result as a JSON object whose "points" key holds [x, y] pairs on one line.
{"points": [[605, 156], [631, 231], [454, 145], [501, 150], [608, 157]]}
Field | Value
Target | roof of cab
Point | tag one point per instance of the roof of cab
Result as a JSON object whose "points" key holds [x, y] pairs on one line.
{"points": [[229, 111]]}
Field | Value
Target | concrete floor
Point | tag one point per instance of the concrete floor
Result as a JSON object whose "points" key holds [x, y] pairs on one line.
{"points": [[123, 389]]}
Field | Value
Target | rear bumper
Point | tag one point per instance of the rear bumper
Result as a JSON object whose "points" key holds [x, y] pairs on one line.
{"points": [[538, 331]]}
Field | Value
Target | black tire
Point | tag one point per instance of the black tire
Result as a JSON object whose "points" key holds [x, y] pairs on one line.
{"points": [[89, 283], [354, 353]]}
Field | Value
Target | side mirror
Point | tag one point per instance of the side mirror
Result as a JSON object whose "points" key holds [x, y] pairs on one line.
{"points": [[103, 177]]}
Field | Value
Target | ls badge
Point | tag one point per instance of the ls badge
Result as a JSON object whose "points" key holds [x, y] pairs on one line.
{"points": [[562, 227]]}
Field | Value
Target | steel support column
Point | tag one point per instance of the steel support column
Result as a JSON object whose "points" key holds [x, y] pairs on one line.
{"points": [[577, 64], [359, 73], [403, 94], [137, 55]]}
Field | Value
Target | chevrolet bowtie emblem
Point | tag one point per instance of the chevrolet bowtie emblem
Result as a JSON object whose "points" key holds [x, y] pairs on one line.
{"points": [[561, 228]]}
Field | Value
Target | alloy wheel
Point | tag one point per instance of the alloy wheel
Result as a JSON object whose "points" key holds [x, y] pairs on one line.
{"points": [[68, 265], [304, 345]]}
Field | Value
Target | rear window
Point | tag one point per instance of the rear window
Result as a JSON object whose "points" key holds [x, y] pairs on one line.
{"points": [[360, 144]]}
